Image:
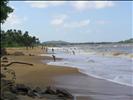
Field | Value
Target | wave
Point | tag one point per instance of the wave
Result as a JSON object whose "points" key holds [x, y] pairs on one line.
{"points": [[115, 80], [110, 68]]}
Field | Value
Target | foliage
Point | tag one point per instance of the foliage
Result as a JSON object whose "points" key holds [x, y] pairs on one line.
{"points": [[15, 38], [127, 41], [4, 10]]}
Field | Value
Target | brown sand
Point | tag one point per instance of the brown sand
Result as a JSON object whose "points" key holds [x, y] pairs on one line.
{"points": [[40, 74], [35, 51]]}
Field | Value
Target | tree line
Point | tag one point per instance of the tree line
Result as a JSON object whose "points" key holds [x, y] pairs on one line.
{"points": [[15, 38]]}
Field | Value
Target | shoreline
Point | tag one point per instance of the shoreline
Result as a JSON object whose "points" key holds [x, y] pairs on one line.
{"points": [[43, 75], [123, 84], [83, 71], [96, 89]]}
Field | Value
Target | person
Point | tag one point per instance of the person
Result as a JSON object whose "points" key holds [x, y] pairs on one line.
{"points": [[54, 58], [46, 50], [52, 50]]}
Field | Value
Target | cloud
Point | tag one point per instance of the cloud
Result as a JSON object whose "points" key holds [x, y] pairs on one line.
{"points": [[83, 5], [44, 4], [14, 20], [64, 21], [77, 24], [78, 5], [59, 20]]}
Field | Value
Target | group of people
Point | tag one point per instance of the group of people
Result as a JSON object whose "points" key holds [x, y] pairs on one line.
{"points": [[45, 48], [53, 51], [70, 51]]}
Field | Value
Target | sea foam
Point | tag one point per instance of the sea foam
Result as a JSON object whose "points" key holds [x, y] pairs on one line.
{"points": [[111, 68]]}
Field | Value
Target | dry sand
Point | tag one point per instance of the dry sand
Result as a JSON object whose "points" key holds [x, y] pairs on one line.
{"points": [[35, 51], [40, 74]]}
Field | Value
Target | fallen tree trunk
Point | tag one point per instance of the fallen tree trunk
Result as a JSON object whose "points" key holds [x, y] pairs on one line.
{"points": [[6, 65]]}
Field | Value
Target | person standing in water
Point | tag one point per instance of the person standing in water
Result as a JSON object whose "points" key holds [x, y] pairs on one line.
{"points": [[54, 58], [52, 50]]}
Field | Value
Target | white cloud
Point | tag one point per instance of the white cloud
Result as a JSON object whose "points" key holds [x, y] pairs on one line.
{"points": [[14, 20], [77, 24], [83, 5], [103, 4], [63, 21], [59, 20], [44, 4], [78, 5]]}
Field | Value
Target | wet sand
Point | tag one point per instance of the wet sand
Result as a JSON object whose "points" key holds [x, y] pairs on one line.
{"points": [[90, 88]]}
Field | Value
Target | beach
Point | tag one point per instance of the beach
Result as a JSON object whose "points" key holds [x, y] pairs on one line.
{"points": [[82, 86]]}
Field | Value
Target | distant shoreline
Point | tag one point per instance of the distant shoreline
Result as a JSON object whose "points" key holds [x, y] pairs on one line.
{"points": [[128, 41]]}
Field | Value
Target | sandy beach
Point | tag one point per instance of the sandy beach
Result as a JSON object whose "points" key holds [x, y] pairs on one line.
{"points": [[40, 71], [83, 86]]}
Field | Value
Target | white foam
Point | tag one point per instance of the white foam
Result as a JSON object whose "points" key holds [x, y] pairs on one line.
{"points": [[118, 70]]}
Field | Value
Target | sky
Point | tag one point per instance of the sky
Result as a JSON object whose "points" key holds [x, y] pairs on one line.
{"points": [[73, 21]]}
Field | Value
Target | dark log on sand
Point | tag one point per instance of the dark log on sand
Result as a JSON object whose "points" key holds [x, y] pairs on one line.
{"points": [[6, 65]]}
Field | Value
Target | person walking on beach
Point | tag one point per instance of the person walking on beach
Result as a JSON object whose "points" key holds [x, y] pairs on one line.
{"points": [[54, 58]]}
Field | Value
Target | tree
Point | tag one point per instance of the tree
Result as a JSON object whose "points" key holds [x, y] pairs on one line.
{"points": [[15, 38], [4, 10]]}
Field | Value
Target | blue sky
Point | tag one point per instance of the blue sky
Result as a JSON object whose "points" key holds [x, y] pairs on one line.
{"points": [[73, 21]]}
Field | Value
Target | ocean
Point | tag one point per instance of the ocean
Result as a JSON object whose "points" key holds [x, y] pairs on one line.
{"points": [[111, 62]]}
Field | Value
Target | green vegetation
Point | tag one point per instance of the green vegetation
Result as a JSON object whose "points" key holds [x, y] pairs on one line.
{"points": [[127, 41], [4, 10], [16, 38]]}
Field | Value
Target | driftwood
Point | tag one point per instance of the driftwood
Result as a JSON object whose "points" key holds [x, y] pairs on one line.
{"points": [[4, 59], [50, 90], [6, 65], [63, 93], [58, 91]]}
